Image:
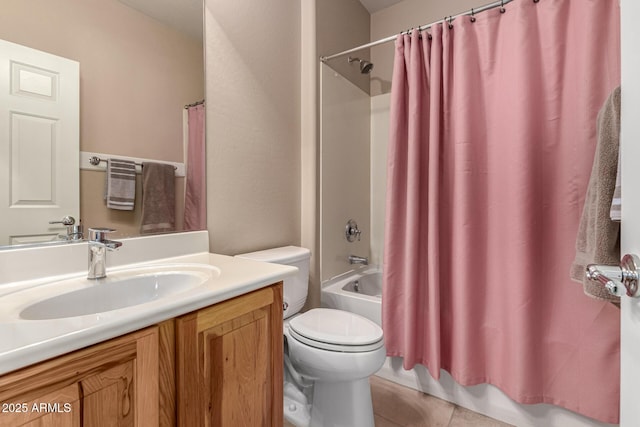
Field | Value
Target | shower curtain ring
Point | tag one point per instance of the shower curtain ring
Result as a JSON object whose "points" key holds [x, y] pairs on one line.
{"points": [[473, 18], [502, 9], [450, 24]]}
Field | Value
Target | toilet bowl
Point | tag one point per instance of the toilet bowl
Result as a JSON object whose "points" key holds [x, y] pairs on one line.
{"points": [[338, 351], [329, 354]]}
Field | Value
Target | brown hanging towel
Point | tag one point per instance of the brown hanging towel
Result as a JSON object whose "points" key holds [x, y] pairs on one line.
{"points": [[158, 198]]}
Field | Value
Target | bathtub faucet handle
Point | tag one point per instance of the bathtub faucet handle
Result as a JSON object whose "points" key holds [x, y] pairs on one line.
{"points": [[351, 231]]}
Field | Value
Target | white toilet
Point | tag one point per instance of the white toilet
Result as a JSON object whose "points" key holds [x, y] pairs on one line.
{"points": [[329, 354]]}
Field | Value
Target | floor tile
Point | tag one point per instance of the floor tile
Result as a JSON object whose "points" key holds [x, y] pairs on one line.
{"points": [[383, 422], [398, 406], [465, 418], [408, 407]]}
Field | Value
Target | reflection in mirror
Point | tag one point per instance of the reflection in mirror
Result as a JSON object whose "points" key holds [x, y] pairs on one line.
{"points": [[136, 75], [39, 150]]}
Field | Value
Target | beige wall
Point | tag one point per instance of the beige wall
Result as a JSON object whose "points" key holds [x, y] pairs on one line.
{"points": [[309, 166], [135, 76], [253, 124], [401, 17], [345, 130], [341, 25]]}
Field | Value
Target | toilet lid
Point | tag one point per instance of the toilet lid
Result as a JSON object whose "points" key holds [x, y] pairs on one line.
{"points": [[337, 328]]}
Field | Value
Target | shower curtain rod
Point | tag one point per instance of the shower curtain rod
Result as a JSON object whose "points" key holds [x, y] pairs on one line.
{"points": [[471, 12]]}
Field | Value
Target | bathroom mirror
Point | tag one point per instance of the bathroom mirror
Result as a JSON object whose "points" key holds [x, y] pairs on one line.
{"points": [[140, 63]]}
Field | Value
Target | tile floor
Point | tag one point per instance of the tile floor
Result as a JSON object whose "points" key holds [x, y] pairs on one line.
{"points": [[395, 405]]}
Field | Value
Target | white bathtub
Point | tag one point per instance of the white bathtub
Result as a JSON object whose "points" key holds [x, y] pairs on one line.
{"points": [[358, 292], [484, 398]]}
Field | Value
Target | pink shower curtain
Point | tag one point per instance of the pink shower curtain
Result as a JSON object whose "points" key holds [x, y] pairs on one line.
{"points": [[195, 200], [492, 141]]}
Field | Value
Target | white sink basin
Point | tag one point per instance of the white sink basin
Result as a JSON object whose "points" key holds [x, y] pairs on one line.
{"points": [[80, 296]]}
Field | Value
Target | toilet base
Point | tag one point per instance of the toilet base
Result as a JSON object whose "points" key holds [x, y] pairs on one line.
{"points": [[296, 407], [295, 413], [342, 404]]}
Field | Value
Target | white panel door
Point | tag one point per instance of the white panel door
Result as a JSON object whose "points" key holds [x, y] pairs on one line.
{"points": [[630, 146], [39, 143]]}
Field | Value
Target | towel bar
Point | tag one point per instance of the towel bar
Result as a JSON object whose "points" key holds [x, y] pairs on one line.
{"points": [[95, 160]]}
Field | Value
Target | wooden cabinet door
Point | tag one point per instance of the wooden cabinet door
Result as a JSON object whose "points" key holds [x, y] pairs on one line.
{"points": [[110, 384], [58, 408], [229, 362], [109, 397]]}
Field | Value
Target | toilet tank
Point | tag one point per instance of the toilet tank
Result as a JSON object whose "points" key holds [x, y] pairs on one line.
{"points": [[296, 287]]}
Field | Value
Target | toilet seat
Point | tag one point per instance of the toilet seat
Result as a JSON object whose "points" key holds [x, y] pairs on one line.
{"points": [[336, 330]]}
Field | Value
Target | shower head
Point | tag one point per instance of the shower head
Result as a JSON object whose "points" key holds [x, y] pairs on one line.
{"points": [[365, 66]]}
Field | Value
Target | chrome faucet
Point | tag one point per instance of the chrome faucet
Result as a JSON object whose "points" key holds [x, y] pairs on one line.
{"points": [[98, 247], [74, 231], [354, 259]]}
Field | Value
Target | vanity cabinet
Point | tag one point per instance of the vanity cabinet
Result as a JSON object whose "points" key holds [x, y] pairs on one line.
{"points": [[229, 362], [218, 366], [114, 383]]}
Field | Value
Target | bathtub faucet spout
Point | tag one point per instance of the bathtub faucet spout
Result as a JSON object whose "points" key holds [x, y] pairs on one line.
{"points": [[354, 259]]}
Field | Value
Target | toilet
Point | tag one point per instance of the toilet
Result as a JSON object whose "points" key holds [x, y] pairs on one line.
{"points": [[329, 354]]}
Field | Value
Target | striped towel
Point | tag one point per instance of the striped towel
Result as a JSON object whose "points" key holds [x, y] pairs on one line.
{"points": [[120, 184]]}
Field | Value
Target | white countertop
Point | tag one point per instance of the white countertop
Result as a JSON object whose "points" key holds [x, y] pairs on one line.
{"points": [[24, 342]]}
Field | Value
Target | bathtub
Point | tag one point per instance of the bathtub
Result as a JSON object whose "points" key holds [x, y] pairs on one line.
{"points": [[358, 291]]}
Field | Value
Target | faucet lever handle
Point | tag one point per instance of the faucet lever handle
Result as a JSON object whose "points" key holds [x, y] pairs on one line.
{"points": [[67, 220], [98, 234]]}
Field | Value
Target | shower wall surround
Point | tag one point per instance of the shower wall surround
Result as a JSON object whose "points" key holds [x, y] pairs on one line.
{"points": [[342, 24], [345, 136], [380, 108], [328, 25]]}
